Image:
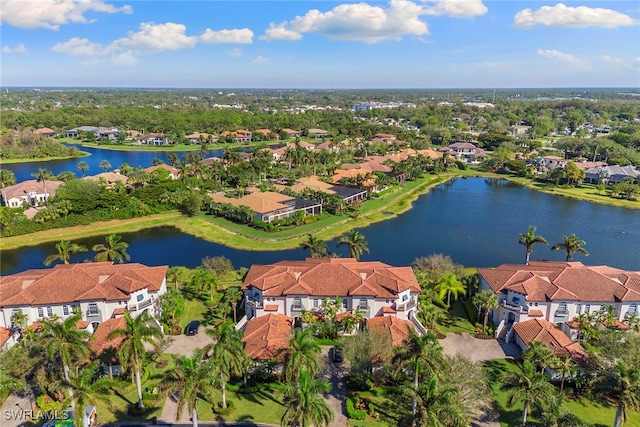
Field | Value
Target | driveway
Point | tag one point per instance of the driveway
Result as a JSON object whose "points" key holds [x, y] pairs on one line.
{"points": [[477, 350], [184, 345], [334, 373]]}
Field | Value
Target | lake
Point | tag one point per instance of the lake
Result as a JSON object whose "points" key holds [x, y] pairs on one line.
{"points": [[476, 221], [144, 159]]}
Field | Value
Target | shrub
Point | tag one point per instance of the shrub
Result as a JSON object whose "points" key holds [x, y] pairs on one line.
{"points": [[46, 403], [353, 413], [219, 410], [233, 387]]}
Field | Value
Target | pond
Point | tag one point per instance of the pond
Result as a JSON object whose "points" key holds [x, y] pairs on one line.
{"points": [[476, 221]]}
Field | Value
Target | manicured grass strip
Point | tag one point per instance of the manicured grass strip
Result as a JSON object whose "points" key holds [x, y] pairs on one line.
{"points": [[456, 321], [194, 309], [600, 415], [44, 159]]}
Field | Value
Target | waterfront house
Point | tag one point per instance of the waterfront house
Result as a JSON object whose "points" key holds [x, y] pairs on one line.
{"points": [[317, 133], [46, 132], [266, 336], [465, 151], [613, 174], [371, 288], [100, 290], [267, 134], [199, 138], [153, 139], [174, 173], [30, 192], [558, 292], [239, 135], [268, 206], [348, 194], [292, 133]]}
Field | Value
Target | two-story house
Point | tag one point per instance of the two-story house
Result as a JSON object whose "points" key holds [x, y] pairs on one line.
{"points": [[30, 192], [465, 151], [153, 139], [292, 287], [558, 292], [100, 290]]}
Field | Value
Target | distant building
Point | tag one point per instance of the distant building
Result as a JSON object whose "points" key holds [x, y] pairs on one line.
{"points": [[31, 192]]}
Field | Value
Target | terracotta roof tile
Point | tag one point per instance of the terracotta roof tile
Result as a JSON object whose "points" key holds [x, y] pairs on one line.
{"points": [[99, 341], [265, 336], [536, 313], [397, 328], [552, 336], [329, 277], [5, 334]]}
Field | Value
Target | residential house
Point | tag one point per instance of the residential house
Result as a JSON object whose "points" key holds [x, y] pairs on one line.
{"points": [[465, 151], [291, 287], [559, 343], [80, 131], [266, 336], [110, 178], [110, 134], [613, 174], [317, 133], [268, 206], [174, 173], [548, 163], [99, 290], [292, 133], [239, 135], [153, 139], [348, 194], [398, 330], [267, 134], [558, 292], [199, 138], [31, 192], [46, 132]]}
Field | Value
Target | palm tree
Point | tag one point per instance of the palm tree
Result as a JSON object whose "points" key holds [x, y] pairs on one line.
{"points": [[419, 353], [529, 239], [449, 284], [66, 250], [136, 333], [316, 246], [528, 385], [486, 300], [64, 342], [42, 176], [191, 378], [438, 407], [83, 167], [304, 406], [539, 354], [90, 387], [622, 385], [105, 165], [227, 355], [18, 320], [7, 178], [301, 355], [357, 243], [566, 367], [233, 295], [112, 250], [176, 274], [571, 244]]}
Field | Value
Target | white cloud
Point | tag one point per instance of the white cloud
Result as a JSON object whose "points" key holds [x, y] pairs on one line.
{"points": [[260, 59], [239, 36], [156, 38], [150, 38], [360, 21], [618, 63], [235, 52], [561, 15], [456, 8], [567, 58], [50, 14], [280, 32], [18, 49], [79, 47]]}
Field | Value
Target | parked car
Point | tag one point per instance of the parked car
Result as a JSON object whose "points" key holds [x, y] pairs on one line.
{"points": [[336, 354], [192, 328]]}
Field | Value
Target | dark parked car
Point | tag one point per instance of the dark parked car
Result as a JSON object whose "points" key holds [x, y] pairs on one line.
{"points": [[192, 328], [336, 354]]}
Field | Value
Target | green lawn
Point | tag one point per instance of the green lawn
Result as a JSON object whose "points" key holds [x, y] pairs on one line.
{"points": [[456, 321], [261, 406], [194, 309]]}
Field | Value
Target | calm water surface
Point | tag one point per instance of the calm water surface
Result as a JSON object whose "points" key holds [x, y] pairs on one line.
{"points": [[476, 221], [135, 159]]}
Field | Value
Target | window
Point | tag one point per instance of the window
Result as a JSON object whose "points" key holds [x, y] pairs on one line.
{"points": [[405, 297], [579, 308], [49, 311], [40, 312], [587, 308], [562, 306], [362, 305], [297, 302], [344, 303], [140, 297], [316, 303], [515, 300], [65, 310], [633, 308], [92, 310]]}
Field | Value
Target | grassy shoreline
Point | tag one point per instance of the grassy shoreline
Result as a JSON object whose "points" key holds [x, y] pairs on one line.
{"points": [[43, 159], [163, 148], [232, 235], [227, 233]]}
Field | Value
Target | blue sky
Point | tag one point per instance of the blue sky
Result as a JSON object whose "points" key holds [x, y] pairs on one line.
{"points": [[320, 44]]}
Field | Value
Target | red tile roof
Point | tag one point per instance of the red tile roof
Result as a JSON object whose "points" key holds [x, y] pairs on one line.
{"points": [[397, 328], [79, 282], [5, 334], [265, 336], [572, 281], [22, 188], [553, 337], [330, 277], [99, 341], [536, 313], [271, 307]]}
